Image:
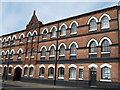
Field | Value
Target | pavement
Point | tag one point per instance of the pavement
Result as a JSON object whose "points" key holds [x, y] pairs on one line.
{"points": [[18, 85]]}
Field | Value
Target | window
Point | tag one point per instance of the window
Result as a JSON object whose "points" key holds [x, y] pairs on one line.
{"points": [[7, 55], [29, 37], [106, 73], [93, 24], [104, 22], [10, 70], [13, 41], [72, 73], [12, 55], [2, 55], [80, 73], [92, 47], [73, 28], [25, 71], [105, 46], [62, 50], [42, 71], [33, 52], [20, 54], [31, 71], [0, 70], [63, 31], [34, 37], [8, 41], [73, 49], [43, 52], [53, 32], [51, 72], [61, 73], [44, 36], [52, 51], [21, 39], [27, 52], [4, 42]]}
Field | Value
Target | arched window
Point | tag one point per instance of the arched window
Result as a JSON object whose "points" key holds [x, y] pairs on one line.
{"points": [[12, 55], [73, 49], [104, 22], [2, 55], [44, 36], [8, 41], [7, 55], [21, 39], [42, 71], [31, 71], [28, 37], [43, 52], [52, 51], [105, 46], [62, 50], [27, 52], [13, 41], [72, 73], [73, 28], [63, 31], [61, 73], [105, 73], [53, 32], [25, 71], [33, 52], [10, 71], [4, 42], [93, 24], [19, 54], [34, 36], [92, 47], [50, 72]]}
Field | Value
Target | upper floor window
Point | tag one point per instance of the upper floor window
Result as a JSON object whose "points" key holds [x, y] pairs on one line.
{"points": [[12, 54], [106, 73], [42, 71], [105, 46], [25, 71], [21, 39], [104, 22], [53, 32], [7, 55], [93, 47], [50, 72], [74, 28], [33, 52], [8, 42], [61, 73], [73, 49], [31, 71], [27, 52], [19, 54], [10, 70], [2, 55], [52, 51], [62, 50], [28, 37], [43, 52], [13, 40], [44, 34], [34, 37], [63, 30], [4, 42], [93, 25]]}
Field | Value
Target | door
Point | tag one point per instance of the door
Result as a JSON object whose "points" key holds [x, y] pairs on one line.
{"points": [[93, 76], [17, 74]]}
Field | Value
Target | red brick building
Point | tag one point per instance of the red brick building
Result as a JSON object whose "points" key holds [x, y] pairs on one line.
{"points": [[83, 50]]}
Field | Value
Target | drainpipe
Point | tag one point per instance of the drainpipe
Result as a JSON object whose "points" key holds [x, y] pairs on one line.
{"points": [[56, 55]]}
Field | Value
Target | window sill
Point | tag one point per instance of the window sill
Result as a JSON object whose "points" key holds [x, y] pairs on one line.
{"points": [[73, 54], [50, 77], [105, 27], [53, 37], [60, 77], [93, 30], [62, 35], [44, 38], [26, 57], [6, 58], [92, 53], [43, 56], [61, 55], [41, 76], [32, 56], [31, 75], [74, 33], [34, 40], [13, 44], [8, 44], [103, 80], [52, 56], [72, 78], [19, 57], [25, 75], [21, 42], [80, 78], [29, 41], [105, 52], [9, 74]]}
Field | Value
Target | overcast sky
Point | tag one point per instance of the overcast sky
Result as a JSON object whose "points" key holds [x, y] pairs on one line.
{"points": [[16, 15]]}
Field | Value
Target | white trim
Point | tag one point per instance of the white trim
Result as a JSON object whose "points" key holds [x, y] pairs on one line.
{"points": [[34, 32], [73, 42], [52, 28], [19, 50], [105, 38], [92, 53], [62, 25], [9, 38], [43, 56], [52, 56], [62, 55], [51, 46], [10, 66], [41, 76], [13, 51], [28, 34], [4, 39], [93, 30], [105, 80], [50, 76], [43, 47], [91, 41], [61, 45], [61, 65], [72, 78], [31, 66], [22, 34], [104, 52], [80, 78], [93, 17], [81, 67], [44, 30], [0, 65], [2, 52], [5, 65], [51, 65], [73, 33], [42, 66], [109, 18], [60, 77], [31, 75], [62, 34], [72, 23], [26, 65], [17, 66], [107, 65], [93, 65], [14, 36], [73, 54], [8, 52], [72, 65]]}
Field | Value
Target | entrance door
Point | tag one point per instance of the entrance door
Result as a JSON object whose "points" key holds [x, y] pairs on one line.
{"points": [[17, 74], [93, 76]]}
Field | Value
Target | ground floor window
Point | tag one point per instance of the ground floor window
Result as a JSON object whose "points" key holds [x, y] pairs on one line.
{"points": [[25, 71], [10, 70], [51, 72], [72, 73], [106, 73], [80, 73], [61, 73], [42, 71], [31, 71]]}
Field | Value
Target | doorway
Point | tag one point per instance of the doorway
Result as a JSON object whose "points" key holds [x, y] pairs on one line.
{"points": [[93, 72], [17, 74]]}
